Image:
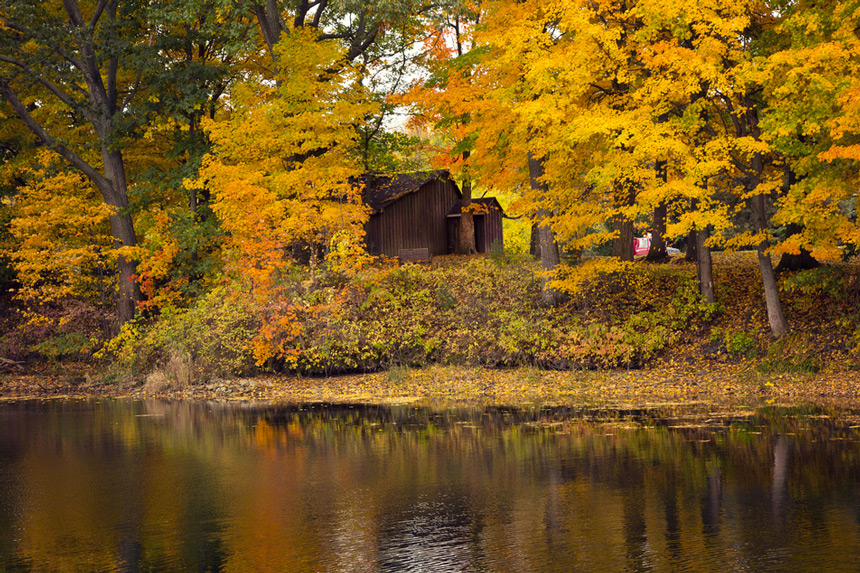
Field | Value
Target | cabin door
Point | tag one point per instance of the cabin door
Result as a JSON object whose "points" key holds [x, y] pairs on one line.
{"points": [[480, 233]]}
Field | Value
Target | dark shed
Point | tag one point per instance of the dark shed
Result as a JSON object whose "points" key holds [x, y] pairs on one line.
{"points": [[409, 211], [422, 210], [487, 214]]}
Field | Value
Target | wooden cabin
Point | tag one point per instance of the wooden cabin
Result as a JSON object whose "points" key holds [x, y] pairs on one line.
{"points": [[418, 210]]}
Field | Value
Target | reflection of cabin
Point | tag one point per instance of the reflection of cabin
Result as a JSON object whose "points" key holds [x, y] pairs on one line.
{"points": [[420, 210]]}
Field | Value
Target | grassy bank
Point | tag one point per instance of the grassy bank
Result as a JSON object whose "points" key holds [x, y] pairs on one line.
{"points": [[484, 312]]}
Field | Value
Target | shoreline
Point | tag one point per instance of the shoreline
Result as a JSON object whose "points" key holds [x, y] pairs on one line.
{"points": [[668, 384]]}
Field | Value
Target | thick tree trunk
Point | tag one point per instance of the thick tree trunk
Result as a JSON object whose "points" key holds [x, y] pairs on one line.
{"points": [[549, 254], [801, 261], [622, 245], [549, 258], [122, 229], [466, 234], [704, 267], [657, 253], [534, 242]]}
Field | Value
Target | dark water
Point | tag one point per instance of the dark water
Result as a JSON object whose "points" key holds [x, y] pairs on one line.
{"points": [[88, 486]]}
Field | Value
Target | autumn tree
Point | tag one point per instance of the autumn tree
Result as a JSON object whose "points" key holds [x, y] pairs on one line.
{"points": [[64, 65], [204, 49], [282, 172], [811, 86]]}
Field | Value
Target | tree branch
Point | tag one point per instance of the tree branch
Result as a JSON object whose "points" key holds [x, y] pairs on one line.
{"points": [[74, 12], [101, 182], [132, 93], [98, 13], [54, 89], [321, 5], [355, 51]]}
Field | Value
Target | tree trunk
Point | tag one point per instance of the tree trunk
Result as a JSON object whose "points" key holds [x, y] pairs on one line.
{"points": [[549, 254], [534, 243], [466, 234], [758, 203], [622, 245], [802, 260], [775, 318], [122, 229], [657, 253], [691, 255], [704, 267]]}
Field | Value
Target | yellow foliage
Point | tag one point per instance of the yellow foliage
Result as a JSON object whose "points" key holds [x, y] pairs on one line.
{"points": [[61, 241], [282, 164], [575, 280]]}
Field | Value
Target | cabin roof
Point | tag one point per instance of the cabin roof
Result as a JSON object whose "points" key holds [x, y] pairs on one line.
{"points": [[485, 202], [382, 190]]}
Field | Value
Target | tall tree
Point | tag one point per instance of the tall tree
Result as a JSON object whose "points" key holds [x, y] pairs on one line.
{"points": [[85, 61]]}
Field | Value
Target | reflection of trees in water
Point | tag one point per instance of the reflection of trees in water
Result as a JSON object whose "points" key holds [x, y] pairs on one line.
{"points": [[154, 484]]}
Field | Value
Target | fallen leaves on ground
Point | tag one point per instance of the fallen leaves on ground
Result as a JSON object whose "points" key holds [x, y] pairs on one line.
{"points": [[667, 384]]}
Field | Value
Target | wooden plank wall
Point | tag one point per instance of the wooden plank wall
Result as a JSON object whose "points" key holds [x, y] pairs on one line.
{"points": [[493, 230], [418, 220]]}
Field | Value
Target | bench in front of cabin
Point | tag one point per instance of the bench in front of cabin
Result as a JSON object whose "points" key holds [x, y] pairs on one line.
{"points": [[414, 255]]}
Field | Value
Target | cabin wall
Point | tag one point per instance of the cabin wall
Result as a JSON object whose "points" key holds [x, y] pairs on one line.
{"points": [[415, 221], [493, 230]]}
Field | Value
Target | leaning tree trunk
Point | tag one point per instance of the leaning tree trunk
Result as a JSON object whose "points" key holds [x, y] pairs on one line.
{"points": [[622, 245], [704, 266], [775, 318], [549, 254], [758, 203]]}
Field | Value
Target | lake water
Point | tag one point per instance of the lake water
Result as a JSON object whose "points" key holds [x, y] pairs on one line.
{"points": [[158, 485]]}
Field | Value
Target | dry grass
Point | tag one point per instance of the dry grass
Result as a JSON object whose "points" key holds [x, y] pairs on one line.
{"points": [[176, 374]]}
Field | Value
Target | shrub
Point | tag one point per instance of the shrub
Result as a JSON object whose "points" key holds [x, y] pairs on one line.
{"points": [[480, 311], [213, 336]]}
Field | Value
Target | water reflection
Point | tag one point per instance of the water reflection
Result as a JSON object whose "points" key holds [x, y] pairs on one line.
{"points": [[124, 485]]}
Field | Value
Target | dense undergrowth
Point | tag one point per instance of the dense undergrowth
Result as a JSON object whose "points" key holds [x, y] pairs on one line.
{"points": [[481, 311]]}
